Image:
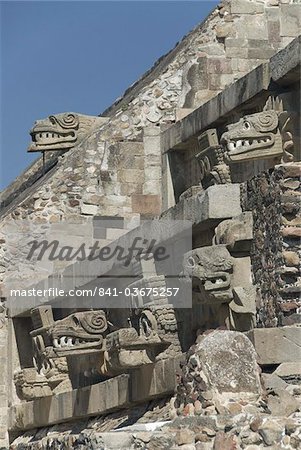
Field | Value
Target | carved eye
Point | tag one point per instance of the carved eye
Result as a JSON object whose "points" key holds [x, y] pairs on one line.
{"points": [[52, 119], [76, 321], [146, 326], [191, 261], [247, 125]]}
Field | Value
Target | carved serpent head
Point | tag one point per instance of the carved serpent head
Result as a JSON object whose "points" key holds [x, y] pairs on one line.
{"points": [[255, 136], [210, 269], [78, 332], [62, 131]]}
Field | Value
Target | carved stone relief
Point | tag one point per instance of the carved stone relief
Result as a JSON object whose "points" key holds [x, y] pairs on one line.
{"points": [[62, 131], [236, 233], [213, 169], [253, 137], [153, 332], [266, 134], [260, 136], [78, 334], [219, 279], [151, 335]]}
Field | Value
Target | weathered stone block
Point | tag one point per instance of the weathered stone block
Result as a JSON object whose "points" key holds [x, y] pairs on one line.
{"points": [[216, 65], [226, 80], [245, 65], [260, 53], [185, 436], [229, 362], [128, 189], [132, 162], [219, 81], [272, 13], [272, 381], [117, 441], [130, 175], [91, 400], [202, 97], [146, 204], [274, 31], [151, 140], [153, 173], [282, 403], [90, 210], [246, 7], [117, 201], [216, 202], [286, 63], [290, 20], [291, 258], [235, 42], [276, 345], [271, 431], [215, 81], [290, 183], [92, 199], [157, 379], [258, 43], [131, 148], [289, 371], [221, 201], [151, 187], [253, 27], [236, 52], [212, 49]]}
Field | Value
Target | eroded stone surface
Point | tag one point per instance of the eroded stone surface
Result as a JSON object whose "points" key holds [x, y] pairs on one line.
{"points": [[218, 373], [277, 345], [62, 131], [229, 362]]}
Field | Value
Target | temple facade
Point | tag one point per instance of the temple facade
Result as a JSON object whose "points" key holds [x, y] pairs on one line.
{"points": [[150, 256]]}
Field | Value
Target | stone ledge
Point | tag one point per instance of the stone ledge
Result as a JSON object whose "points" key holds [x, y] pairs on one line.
{"points": [[283, 66], [230, 98], [143, 384], [153, 380], [215, 203], [88, 401], [276, 345]]}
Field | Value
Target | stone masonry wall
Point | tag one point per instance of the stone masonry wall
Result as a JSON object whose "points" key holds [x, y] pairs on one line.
{"points": [[113, 173], [291, 234], [274, 199], [235, 38], [223, 401], [266, 255], [116, 171]]}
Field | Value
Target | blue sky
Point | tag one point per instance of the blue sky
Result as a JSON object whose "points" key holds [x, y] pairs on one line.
{"points": [[78, 56]]}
